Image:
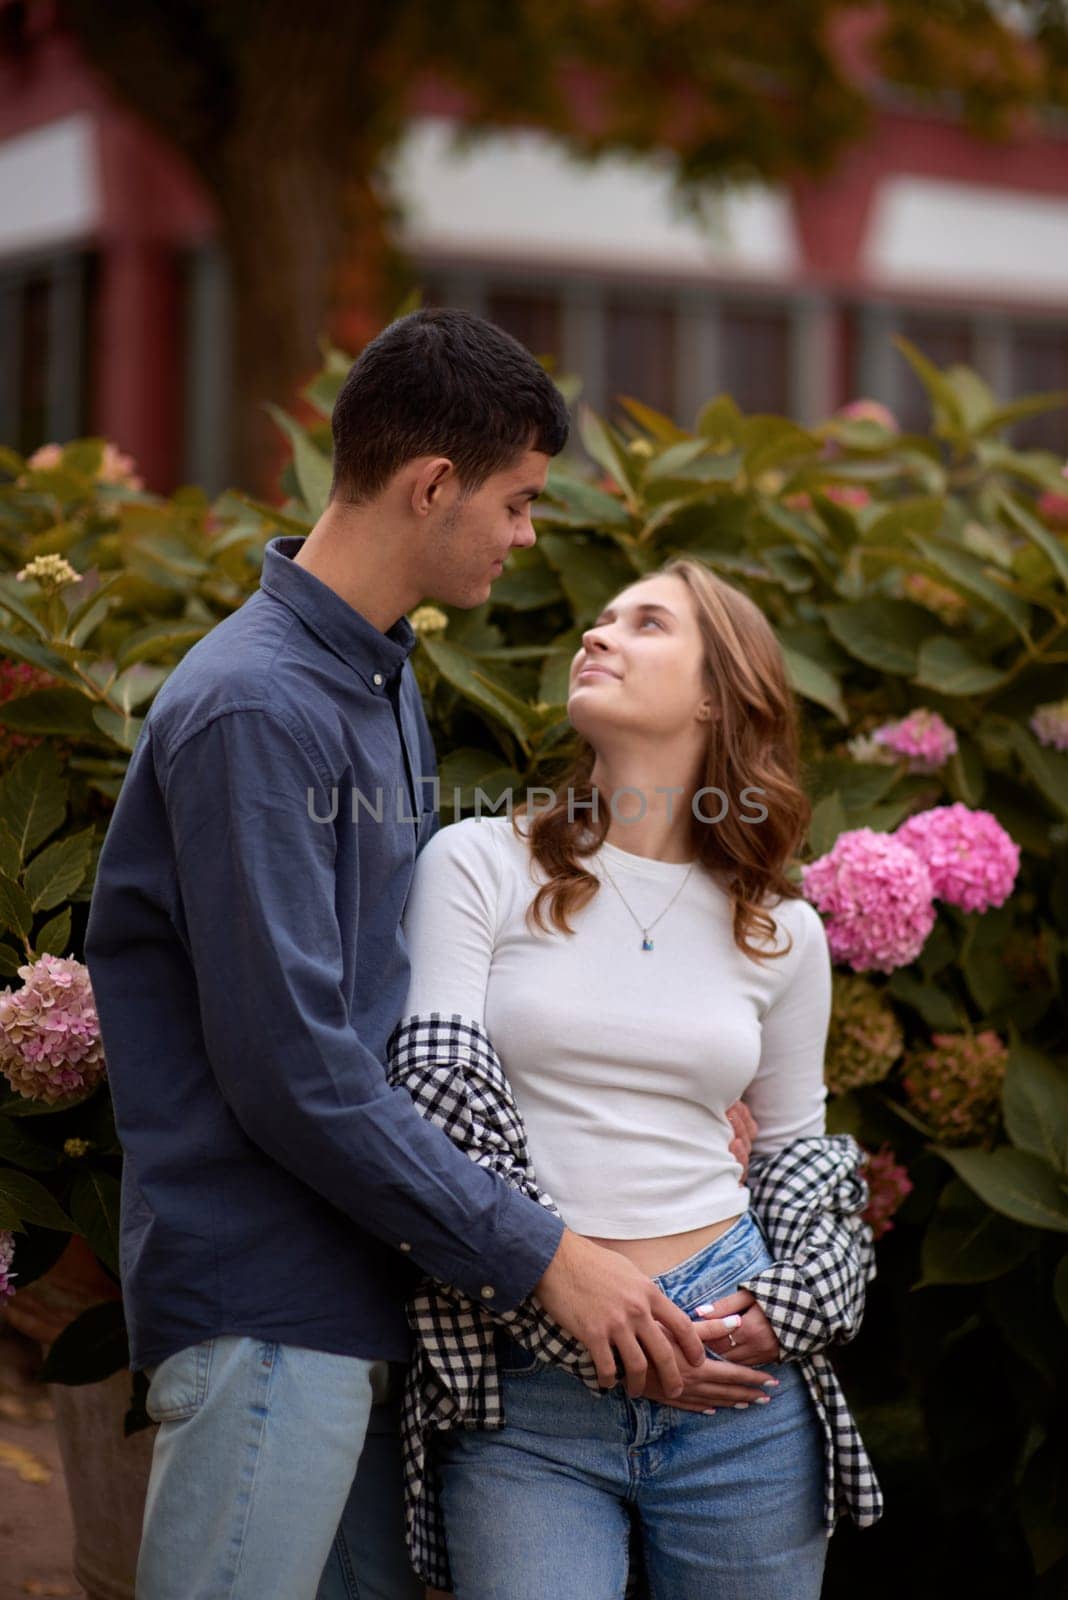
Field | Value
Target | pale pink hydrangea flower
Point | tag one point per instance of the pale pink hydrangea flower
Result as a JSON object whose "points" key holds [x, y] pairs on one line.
{"points": [[1049, 724], [946, 603], [971, 859], [864, 410], [875, 894], [923, 737], [118, 468], [847, 494], [7, 1255], [50, 1045], [888, 1185], [1053, 508], [47, 457]]}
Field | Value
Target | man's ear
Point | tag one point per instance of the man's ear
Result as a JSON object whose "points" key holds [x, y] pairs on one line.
{"points": [[433, 474]]}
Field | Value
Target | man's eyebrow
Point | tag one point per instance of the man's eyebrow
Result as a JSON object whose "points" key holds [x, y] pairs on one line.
{"points": [[529, 494]]}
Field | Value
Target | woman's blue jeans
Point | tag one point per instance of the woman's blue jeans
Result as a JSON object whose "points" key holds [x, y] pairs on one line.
{"points": [[727, 1507]]}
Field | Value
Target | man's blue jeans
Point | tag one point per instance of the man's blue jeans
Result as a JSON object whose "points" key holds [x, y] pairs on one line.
{"points": [[727, 1507], [260, 1447]]}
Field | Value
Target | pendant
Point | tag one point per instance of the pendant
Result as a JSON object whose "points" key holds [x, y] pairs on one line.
{"points": [[647, 943]]}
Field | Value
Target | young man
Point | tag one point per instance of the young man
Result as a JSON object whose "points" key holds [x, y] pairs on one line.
{"points": [[247, 962]]}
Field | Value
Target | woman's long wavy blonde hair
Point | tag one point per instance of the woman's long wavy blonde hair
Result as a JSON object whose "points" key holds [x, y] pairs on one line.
{"points": [[752, 743]]}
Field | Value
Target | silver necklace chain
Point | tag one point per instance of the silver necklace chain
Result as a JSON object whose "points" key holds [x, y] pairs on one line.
{"points": [[647, 943]]}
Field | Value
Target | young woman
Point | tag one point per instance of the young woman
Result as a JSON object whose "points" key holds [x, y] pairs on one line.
{"points": [[639, 959]]}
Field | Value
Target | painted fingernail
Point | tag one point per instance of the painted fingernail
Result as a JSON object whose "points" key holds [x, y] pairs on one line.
{"points": [[770, 1383], [732, 1322], [762, 1400], [743, 1405], [706, 1311], [710, 1413]]}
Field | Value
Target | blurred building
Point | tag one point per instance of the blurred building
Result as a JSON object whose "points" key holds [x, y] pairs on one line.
{"points": [[114, 304]]}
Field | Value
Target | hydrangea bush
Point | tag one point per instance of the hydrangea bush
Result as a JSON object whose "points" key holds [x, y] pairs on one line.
{"points": [[918, 584]]}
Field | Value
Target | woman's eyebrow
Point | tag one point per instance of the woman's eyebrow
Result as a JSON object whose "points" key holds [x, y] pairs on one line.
{"points": [[645, 605]]}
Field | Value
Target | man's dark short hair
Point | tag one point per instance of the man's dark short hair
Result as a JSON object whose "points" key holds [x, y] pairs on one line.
{"points": [[442, 382]]}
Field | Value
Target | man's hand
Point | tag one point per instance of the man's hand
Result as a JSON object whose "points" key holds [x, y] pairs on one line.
{"points": [[609, 1304], [745, 1128], [736, 1379]]}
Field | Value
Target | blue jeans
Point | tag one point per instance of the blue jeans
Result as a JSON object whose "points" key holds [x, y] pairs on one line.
{"points": [[259, 1448], [727, 1507]]}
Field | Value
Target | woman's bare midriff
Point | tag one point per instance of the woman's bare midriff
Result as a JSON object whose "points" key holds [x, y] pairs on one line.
{"points": [[654, 1256]]}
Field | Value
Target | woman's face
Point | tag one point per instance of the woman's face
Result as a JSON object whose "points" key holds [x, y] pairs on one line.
{"points": [[640, 668]]}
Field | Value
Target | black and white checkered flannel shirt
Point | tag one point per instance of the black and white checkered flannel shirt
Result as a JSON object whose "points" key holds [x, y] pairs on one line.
{"points": [[809, 1197]]}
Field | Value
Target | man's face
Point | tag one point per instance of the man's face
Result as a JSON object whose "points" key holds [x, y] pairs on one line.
{"points": [[470, 542]]}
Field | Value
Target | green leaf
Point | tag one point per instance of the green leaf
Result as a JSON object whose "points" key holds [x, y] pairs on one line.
{"points": [[54, 937], [160, 639], [94, 1206], [10, 854], [38, 655], [13, 603], [946, 665], [23, 1199], [20, 1149], [654, 422], [828, 821], [34, 799], [1015, 1182], [10, 961], [1047, 769], [1035, 1099], [966, 1242], [967, 572], [1038, 533], [933, 1004], [769, 441], [123, 730], [896, 525], [527, 583], [946, 408], [314, 470], [59, 870], [90, 1349], [1031, 405], [885, 634], [59, 713], [460, 669], [591, 572], [583, 505], [138, 684], [16, 913], [605, 446], [808, 678]]}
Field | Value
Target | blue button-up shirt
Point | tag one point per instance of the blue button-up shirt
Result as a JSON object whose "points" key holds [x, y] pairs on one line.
{"points": [[248, 963]]}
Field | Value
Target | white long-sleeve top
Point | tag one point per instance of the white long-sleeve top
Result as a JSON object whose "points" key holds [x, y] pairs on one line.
{"points": [[623, 1061]]}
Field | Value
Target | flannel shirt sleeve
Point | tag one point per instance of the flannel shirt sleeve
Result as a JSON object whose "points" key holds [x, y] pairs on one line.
{"points": [[810, 1197]]}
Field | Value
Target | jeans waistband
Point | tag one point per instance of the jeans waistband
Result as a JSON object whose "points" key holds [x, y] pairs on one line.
{"points": [[743, 1239]]}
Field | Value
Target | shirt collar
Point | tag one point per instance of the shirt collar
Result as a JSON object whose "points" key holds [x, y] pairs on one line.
{"points": [[374, 655]]}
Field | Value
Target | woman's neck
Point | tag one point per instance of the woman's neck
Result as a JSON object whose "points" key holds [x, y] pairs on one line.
{"points": [[648, 808]]}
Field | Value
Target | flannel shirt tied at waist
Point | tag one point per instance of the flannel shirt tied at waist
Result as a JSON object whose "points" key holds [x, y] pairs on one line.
{"points": [[809, 1197]]}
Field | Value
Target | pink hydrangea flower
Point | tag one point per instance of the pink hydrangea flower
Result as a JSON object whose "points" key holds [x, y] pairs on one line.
{"points": [[1049, 724], [875, 894], [50, 1045], [923, 737], [864, 410], [847, 494], [118, 468], [888, 1185], [971, 859], [955, 1084], [7, 1255], [1053, 508], [47, 457]]}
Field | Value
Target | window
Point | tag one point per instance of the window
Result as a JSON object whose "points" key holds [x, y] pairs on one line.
{"points": [[755, 357], [44, 322], [1040, 364], [639, 353], [533, 319]]}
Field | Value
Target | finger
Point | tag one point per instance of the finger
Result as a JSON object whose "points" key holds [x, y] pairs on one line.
{"points": [[727, 1304], [635, 1364], [665, 1358], [605, 1362], [678, 1327], [710, 1328]]}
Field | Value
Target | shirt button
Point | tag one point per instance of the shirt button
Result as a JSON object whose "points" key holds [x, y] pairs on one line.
{"points": [[404, 1245], [379, 680], [487, 1292]]}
